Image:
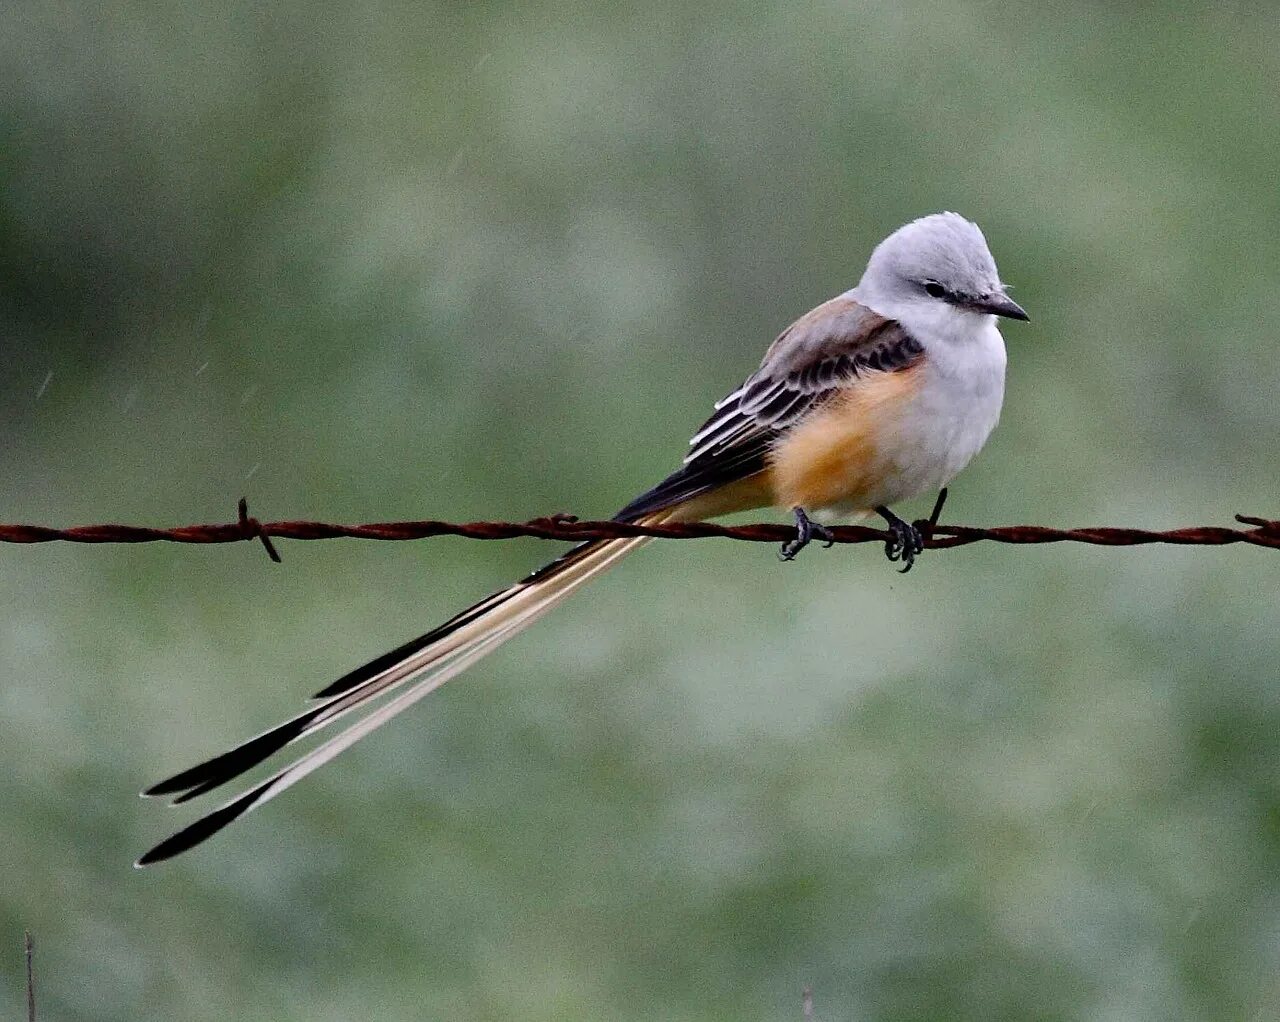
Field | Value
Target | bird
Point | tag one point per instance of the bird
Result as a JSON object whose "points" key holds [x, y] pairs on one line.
{"points": [[879, 395]]}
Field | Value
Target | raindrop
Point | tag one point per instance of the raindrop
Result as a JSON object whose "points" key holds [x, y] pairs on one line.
{"points": [[464, 150]]}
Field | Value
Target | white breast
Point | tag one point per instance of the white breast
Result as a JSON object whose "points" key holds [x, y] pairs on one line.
{"points": [[949, 417]]}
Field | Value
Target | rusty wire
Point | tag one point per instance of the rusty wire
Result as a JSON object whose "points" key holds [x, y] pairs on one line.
{"points": [[1260, 532]]}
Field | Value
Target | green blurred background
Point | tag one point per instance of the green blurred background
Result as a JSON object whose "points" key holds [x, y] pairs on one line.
{"points": [[440, 260]]}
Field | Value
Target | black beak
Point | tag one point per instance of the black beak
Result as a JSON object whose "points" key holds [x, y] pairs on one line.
{"points": [[1000, 304]]}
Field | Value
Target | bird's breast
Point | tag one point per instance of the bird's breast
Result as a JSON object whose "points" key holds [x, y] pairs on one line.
{"points": [[895, 435]]}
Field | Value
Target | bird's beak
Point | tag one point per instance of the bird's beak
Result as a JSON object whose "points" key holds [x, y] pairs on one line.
{"points": [[1000, 304]]}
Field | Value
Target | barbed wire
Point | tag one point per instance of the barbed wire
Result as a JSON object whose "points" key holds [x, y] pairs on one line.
{"points": [[1260, 532]]}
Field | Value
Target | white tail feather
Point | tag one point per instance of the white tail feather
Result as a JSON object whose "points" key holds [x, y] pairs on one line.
{"points": [[428, 669]]}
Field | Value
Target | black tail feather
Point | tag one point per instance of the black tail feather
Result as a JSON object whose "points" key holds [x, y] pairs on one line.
{"points": [[213, 772], [206, 826], [376, 666]]}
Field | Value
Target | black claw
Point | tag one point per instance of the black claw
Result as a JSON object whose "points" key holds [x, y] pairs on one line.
{"points": [[905, 541], [807, 530]]}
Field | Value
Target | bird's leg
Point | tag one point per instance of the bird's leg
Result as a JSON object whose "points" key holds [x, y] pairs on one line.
{"points": [[904, 541], [807, 530]]}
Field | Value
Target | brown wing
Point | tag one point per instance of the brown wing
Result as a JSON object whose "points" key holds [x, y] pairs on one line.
{"points": [[821, 353]]}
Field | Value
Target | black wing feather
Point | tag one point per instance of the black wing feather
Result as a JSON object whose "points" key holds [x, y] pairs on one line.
{"points": [[735, 441]]}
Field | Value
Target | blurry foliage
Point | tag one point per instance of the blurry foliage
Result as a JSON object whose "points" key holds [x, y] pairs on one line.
{"points": [[494, 260]]}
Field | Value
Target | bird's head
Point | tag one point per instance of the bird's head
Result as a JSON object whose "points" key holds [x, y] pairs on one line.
{"points": [[936, 268]]}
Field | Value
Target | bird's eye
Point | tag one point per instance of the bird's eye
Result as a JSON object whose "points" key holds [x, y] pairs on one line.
{"points": [[934, 290]]}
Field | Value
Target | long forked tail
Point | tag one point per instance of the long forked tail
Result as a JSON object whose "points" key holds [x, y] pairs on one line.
{"points": [[404, 676]]}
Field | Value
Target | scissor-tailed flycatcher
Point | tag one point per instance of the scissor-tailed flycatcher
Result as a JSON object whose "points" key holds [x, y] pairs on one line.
{"points": [[877, 396]]}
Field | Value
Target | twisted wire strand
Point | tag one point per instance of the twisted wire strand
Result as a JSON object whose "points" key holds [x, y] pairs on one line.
{"points": [[1258, 532]]}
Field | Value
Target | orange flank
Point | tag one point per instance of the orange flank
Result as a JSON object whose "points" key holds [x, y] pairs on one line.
{"points": [[831, 459]]}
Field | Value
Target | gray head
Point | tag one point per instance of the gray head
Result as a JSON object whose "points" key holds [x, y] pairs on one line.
{"points": [[937, 260]]}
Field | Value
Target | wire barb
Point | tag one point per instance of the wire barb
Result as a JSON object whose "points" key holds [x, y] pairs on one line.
{"points": [[925, 526], [251, 528], [1262, 532]]}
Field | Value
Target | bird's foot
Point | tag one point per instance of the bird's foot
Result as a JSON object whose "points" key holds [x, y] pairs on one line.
{"points": [[807, 530], [905, 540]]}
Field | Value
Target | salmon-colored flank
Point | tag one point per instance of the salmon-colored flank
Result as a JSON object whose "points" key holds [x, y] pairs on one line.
{"points": [[831, 459]]}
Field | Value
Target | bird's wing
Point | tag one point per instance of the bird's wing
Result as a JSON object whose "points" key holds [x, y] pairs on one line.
{"points": [[827, 350]]}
